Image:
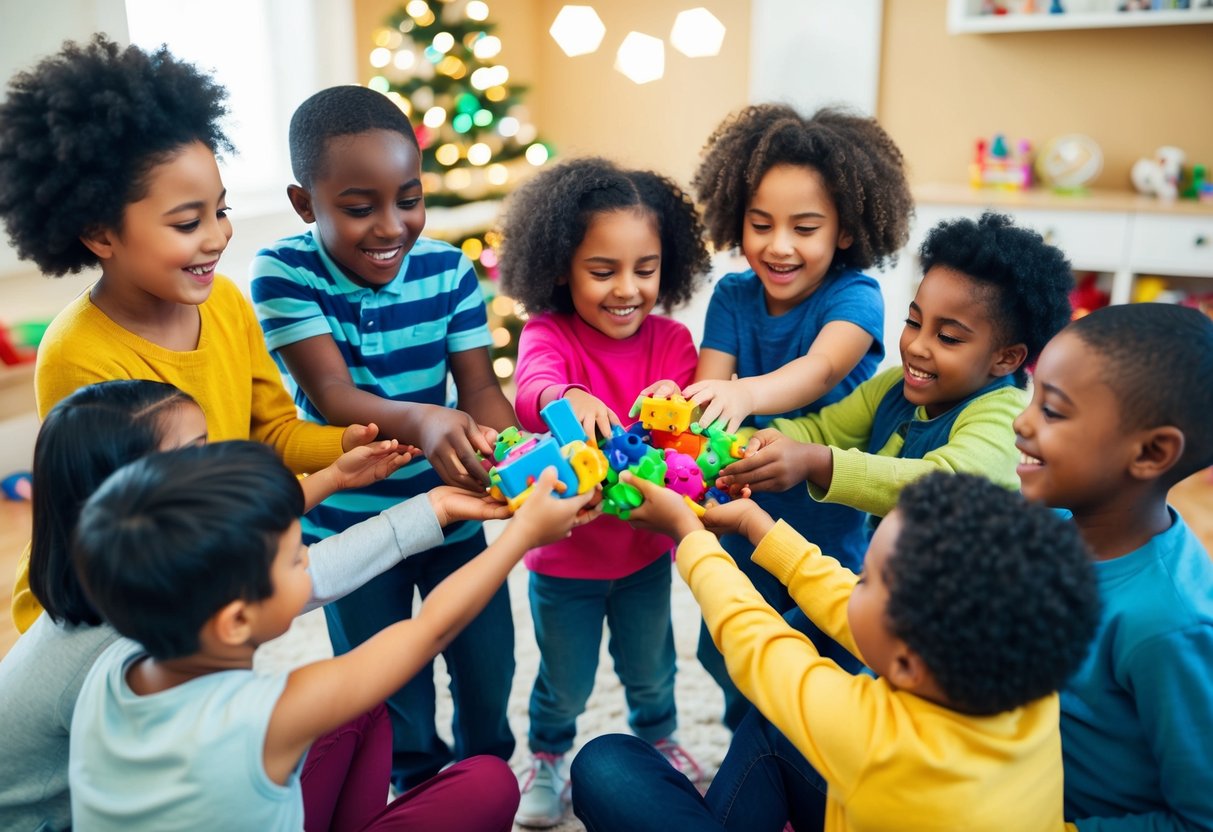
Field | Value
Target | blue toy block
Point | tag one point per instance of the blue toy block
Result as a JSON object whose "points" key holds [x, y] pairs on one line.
{"points": [[558, 416], [519, 473]]}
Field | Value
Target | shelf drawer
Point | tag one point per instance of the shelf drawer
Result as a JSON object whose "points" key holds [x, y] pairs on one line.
{"points": [[1173, 245], [1093, 241]]}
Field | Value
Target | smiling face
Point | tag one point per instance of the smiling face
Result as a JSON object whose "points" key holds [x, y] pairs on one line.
{"points": [[790, 234], [171, 239], [616, 272], [1076, 454], [367, 203], [950, 346]]}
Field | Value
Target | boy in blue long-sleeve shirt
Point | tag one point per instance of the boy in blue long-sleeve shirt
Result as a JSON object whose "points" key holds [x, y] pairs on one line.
{"points": [[1119, 414]]}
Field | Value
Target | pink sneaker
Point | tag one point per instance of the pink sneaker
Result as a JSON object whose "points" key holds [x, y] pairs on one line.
{"points": [[680, 759]]}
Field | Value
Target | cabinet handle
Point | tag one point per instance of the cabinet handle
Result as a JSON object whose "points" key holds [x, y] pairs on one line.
{"points": [[1201, 241]]}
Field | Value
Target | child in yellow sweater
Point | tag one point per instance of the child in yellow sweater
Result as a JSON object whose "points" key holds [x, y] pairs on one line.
{"points": [[973, 607], [107, 159]]}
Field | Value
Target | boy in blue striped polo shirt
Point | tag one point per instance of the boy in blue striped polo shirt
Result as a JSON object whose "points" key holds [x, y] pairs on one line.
{"points": [[368, 317]]}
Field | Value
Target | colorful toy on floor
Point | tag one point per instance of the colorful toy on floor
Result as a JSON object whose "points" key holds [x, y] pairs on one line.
{"points": [[521, 458], [18, 486]]}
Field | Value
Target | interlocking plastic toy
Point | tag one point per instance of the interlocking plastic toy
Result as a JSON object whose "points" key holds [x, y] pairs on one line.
{"points": [[521, 458], [667, 446]]}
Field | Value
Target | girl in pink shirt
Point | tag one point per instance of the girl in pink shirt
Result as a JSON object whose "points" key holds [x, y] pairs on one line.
{"points": [[589, 250]]}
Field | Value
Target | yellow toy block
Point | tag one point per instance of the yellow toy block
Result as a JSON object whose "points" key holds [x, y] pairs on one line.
{"points": [[672, 415]]}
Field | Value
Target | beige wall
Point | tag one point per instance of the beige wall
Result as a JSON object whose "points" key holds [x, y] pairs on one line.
{"points": [[1130, 89], [583, 106]]}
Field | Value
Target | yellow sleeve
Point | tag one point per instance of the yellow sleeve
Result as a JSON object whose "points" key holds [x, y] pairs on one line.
{"points": [[828, 714], [818, 583], [304, 446], [24, 607]]}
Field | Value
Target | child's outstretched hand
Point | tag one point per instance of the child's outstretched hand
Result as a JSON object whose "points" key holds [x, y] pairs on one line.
{"points": [[730, 401], [364, 463], [371, 462], [663, 510], [449, 439], [591, 412], [545, 517], [773, 462], [454, 504], [744, 517]]}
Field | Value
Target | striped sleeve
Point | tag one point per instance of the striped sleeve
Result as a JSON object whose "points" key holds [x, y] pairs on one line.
{"points": [[284, 294], [468, 326]]}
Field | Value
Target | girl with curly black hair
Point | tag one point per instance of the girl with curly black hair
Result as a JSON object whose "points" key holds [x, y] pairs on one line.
{"points": [[590, 249], [107, 158], [812, 203]]}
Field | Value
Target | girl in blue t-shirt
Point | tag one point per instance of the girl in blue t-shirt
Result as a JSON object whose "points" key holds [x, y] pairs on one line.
{"points": [[810, 202]]}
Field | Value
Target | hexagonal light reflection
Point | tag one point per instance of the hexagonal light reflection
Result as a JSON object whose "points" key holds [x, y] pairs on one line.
{"points": [[577, 30], [641, 57], [697, 33]]}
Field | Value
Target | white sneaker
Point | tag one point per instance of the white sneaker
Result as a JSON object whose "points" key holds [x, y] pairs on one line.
{"points": [[545, 791]]}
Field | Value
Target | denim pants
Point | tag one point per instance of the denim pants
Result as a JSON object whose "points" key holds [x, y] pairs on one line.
{"points": [[480, 661], [568, 615], [620, 783]]}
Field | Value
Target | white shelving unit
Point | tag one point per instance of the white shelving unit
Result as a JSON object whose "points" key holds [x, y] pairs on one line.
{"points": [[1121, 235], [965, 16]]}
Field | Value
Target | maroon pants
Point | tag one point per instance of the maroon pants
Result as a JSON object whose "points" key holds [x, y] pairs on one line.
{"points": [[345, 780]]}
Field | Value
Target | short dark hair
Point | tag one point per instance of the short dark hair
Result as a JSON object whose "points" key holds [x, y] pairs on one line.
{"points": [[1158, 361], [1028, 281], [997, 595], [339, 111], [546, 219], [81, 131], [85, 438], [172, 538], [860, 164]]}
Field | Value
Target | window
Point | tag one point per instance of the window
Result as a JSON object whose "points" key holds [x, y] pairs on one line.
{"points": [[270, 56]]}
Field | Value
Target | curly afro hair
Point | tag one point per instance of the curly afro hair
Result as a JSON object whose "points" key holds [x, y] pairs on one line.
{"points": [[862, 168], [81, 131], [997, 595], [339, 111], [1028, 280], [546, 219], [1158, 358]]}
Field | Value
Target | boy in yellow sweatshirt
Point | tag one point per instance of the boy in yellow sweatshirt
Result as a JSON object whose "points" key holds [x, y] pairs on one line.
{"points": [[973, 608]]}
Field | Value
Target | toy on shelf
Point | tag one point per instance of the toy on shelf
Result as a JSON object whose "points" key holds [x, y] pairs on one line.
{"points": [[1069, 163], [1159, 176], [995, 166], [521, 457], [1087, 296], [667, 447]]}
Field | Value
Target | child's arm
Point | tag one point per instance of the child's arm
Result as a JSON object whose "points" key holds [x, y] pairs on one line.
{"points": [[822, 709], [366, 463], [449, 438], [321, 696], [341, 563], [479, 390], [835, 352], [982, 441]]}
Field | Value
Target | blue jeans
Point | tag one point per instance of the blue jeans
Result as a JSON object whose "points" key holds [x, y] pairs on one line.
{"points": [[480, 661], [568, 614], [621, 783]]}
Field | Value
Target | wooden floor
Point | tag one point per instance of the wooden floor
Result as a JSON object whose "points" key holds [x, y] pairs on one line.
{"points": [[1193, 498]]}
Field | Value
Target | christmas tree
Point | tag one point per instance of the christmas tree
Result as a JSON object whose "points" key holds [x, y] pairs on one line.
{"points": [[437, 60]]}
